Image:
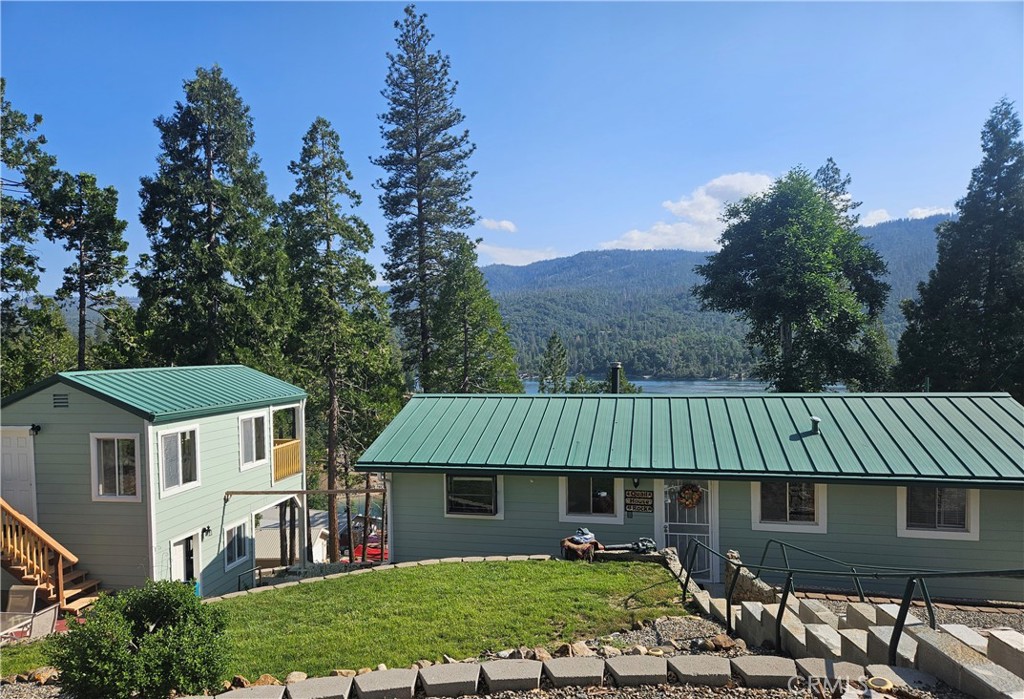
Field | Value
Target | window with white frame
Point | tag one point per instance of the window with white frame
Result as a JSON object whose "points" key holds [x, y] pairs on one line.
{"points": [[179, 456], [253, 433], [115, 467], [235, 546], [477, 496], [930, 512], [590, 499], [788, 506]]}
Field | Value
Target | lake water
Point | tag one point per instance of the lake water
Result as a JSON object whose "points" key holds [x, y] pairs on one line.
{"points": [[686, 387]]}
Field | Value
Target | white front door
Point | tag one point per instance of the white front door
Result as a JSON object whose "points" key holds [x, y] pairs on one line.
{"points": [[184, 556], [680, 524], [18, 469]]}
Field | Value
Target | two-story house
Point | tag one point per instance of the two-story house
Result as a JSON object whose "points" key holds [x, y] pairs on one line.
{"points": [[125, 473]]}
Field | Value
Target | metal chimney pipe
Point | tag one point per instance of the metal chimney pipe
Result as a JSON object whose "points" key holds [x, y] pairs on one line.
{"points": [[616, 368], [815, 421]]}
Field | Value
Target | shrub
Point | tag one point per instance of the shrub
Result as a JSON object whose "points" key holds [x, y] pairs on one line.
{"points": [[151, 640]]}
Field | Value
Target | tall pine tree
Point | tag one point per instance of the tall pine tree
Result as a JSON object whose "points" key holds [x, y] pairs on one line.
{"points": [[554, 367], [965, 331], [341, 335], [34, 339], [83, 217], [214, 288], [473, 353], [425, 193]]}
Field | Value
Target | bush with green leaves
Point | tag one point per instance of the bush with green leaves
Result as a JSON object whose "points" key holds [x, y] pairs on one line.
{"points": [[150, 640]]}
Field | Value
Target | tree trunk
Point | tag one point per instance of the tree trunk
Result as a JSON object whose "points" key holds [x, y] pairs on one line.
{"points": [[348, 514], [422, 298], [82, 299], [333, 553], [213, 276], [293, 541], [282, 535]]}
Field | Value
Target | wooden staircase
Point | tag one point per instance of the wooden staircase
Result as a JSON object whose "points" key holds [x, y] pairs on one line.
{"points": [[35, 558]]}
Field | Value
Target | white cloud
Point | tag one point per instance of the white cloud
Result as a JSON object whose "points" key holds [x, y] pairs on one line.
{"points": [[875, 216], [700, 211], [496, 225], [514, 256], [926, 211]]}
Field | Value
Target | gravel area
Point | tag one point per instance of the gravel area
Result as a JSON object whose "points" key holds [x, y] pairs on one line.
{"points": [[976, 620]]}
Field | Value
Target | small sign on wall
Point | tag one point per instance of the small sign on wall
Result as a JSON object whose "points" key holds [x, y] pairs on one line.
{"points": [[639, 501]]}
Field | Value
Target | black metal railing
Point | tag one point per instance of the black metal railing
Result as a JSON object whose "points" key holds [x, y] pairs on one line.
{"points": [[913, 578]]}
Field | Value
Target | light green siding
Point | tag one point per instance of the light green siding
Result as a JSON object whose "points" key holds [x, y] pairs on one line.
{"points": [[109, 538], [530, 523], [181, 514], [862, 529]]}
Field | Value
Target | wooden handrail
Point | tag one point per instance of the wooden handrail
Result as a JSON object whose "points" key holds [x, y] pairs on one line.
{"points": [[27, 545], [28, 524]]}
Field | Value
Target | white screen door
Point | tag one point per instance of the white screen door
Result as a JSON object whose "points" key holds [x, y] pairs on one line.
{"points": [[683, 524]]}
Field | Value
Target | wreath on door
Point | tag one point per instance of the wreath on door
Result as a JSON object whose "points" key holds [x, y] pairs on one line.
{"points": [[690, 495]]}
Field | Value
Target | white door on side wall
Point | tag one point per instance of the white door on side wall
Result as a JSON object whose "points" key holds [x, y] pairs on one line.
{"points": [[692, 517], [18, 470]]}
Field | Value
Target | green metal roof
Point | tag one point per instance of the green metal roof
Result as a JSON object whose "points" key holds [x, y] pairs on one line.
{"points": [[169, 394], [864, 438]]}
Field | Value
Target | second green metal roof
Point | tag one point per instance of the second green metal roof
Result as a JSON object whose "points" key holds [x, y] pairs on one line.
{"points": [[167, 394], [891, 438]]}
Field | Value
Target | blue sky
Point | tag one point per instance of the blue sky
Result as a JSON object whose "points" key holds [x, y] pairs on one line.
{"points": [[596, 124]]}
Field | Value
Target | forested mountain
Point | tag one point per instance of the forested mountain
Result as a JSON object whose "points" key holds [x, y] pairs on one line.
{"points": [[636, 306]]}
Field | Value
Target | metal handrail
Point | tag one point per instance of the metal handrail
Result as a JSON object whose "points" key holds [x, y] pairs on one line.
{"points": [[913, 578]]}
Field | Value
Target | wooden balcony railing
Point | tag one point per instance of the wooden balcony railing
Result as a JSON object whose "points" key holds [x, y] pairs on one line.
{"points": [[28, 547], [287, 458]]}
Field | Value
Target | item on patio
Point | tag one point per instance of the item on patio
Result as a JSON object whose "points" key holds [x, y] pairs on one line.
{"points": [[580, 546], [641, 545], [582, 536]]}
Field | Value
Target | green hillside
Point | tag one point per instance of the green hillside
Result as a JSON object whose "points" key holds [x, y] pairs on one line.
{"points": [[636, 307]]}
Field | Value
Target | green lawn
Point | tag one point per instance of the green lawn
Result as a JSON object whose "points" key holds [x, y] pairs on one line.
{"points": [[399, 616]]}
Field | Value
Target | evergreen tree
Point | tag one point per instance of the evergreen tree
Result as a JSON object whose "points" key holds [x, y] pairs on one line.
{"points": [[27, 178], [341, 335], [473, 353], [34, 339], [554, 366], [84, 218], [965, 331], [805, 282], [425, 194], [119, 344], [42, 346], [214, 288]]}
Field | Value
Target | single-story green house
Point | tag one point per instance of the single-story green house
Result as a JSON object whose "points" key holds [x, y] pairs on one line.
{"points": [[925, 481], [127, 471]]}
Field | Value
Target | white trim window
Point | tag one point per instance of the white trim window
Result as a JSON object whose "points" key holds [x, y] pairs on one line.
{"points": [[929, 512], [179, 459], [236, 546], [476, 497], [252, 438], [590, 499], [789, 506], [115, 467]]}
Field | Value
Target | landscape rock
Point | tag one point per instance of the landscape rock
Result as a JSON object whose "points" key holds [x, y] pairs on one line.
{"points": [[381, 667], [610, 651], [295, 676], [723, 642], [635, 649], [239, 681], [45, 674], [582, 650], [424, 664], [708, 645], [364, 670], [266, 680], [563, 651], [449, 659], [343, 673], [541, 653]]}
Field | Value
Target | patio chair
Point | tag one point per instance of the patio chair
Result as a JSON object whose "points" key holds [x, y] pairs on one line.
{"points": [[21, 599], [44, 622]]}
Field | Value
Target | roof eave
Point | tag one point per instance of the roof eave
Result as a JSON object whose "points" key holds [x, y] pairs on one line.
{"points": [[746, 476]]}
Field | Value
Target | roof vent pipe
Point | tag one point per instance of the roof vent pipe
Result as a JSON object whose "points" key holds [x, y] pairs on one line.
{"points": [[616, 368], [815, 420]]}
